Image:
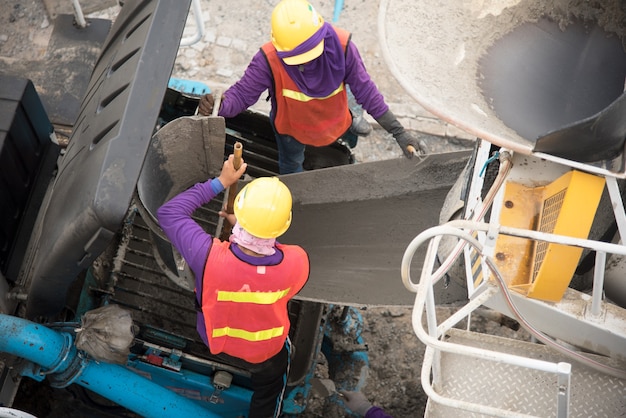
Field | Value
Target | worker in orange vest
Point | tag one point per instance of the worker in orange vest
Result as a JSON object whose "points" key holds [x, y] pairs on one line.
{"points": [[307, 68], [243, 285]]}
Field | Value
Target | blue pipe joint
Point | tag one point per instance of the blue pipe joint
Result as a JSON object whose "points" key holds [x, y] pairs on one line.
{"points": [[58, 358], [35, 342]]}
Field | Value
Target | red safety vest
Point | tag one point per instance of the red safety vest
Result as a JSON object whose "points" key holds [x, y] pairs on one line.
{"points": [[317, 121], [245, 306]]}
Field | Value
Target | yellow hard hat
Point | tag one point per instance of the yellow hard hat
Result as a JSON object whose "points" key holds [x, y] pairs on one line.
{"points": [[263, 207], [293, 22]]}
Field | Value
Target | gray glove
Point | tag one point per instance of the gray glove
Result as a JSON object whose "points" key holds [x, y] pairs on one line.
{"points": [[404, 139], [356, 402], [205, 106]]}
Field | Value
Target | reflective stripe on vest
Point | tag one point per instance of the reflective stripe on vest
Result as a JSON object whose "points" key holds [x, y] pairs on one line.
{"points": [[301, 97], [261, 298], [316, 121], [261, 335]]}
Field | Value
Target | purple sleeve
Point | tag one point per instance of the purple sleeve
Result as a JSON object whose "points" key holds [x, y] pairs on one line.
{"points": [[244, 93], [361, 84], [376, 412], [184, 233]]}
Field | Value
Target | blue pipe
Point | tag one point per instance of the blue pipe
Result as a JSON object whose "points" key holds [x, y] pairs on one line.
{"points": [[56, 354], [337, 10]]}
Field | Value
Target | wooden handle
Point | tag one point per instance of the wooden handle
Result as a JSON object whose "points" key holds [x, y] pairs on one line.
{"points": [[232, 192], [238, 152], [217, 102]]}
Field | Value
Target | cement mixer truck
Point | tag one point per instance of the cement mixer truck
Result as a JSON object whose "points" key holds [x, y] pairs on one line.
{"points": [[527, 225], [536, 221]]}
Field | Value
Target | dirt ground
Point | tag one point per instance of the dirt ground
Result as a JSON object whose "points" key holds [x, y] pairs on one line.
{"points": [[234, 30]]}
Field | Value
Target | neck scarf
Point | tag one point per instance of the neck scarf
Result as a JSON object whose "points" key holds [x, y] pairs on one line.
{"points": [[322, 76], [242, 238]]}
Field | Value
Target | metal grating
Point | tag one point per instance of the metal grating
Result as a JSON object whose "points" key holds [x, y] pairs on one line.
{"points": [[522, 390], [549, 215], [154, 300]]}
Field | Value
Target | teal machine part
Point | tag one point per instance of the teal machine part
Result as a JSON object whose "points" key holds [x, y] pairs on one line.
{"points": [[53, 355], [193, 87]]}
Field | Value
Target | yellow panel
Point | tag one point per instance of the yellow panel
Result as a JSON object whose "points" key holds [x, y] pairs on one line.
{"points": [[514, 255], [567, 207], [579, 195]]}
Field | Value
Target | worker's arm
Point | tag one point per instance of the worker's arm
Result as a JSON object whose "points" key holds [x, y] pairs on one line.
{"points": [[367, 95], [175, 219], [244, 93], [183, 232], [359, 404], [361, 84]]}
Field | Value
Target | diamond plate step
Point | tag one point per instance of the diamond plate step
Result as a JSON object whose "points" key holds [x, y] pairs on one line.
{"points": [[526, 391]]}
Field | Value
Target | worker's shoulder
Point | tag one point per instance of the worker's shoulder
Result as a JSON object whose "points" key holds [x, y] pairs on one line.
{"points": [[292, 250]]}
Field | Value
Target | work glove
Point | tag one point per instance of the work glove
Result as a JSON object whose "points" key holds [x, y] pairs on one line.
{"points": [[205, 107], [356, 402], [404, 139]]}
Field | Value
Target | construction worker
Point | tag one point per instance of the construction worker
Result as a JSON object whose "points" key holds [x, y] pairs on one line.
{"points": [[243, 285], [356, 402], [307, 68]]}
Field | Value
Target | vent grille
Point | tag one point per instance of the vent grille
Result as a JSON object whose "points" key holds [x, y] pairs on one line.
{"points": [[551, 209]]}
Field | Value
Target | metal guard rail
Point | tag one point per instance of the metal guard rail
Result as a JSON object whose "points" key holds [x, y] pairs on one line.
{"points": [[425, 300]]}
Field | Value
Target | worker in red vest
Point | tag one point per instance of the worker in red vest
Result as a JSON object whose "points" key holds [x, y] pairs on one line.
{"points": [[307, 69], [243, 285]]}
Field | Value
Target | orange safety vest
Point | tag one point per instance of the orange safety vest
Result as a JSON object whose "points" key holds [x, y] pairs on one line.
{"points": [[245, 306], [317, 121]]}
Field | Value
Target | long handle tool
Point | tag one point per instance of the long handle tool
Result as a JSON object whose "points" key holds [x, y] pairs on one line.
{"points": [[232, 192]]}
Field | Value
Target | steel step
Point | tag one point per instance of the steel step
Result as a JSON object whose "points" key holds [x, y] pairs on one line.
{"points": [[518, 389]]}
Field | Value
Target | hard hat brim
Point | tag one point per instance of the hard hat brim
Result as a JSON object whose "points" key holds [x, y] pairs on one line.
{"points": [[308, 56]]}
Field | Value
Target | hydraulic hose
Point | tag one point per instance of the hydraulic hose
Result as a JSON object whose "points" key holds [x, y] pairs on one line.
{"points": [[506, 164], [55, 353]]}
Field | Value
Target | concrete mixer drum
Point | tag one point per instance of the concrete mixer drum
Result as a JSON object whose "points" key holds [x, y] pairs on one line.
{"points": [[531, 76]]}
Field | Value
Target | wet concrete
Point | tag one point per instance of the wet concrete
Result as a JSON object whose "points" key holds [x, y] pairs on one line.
{"points": [[355, 223]]}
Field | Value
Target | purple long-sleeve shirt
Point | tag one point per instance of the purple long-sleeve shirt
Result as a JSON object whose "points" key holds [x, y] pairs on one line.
{"points": [[376, 412], [188, 237], [258, 77]]}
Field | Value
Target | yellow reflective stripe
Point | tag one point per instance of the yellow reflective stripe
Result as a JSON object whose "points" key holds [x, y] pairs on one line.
{"points": [[301, 97], [262, 335], [260, 298]]}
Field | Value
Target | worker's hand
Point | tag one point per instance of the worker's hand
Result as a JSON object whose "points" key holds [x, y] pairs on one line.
{"points": [[230, 217], [229, 175], [411, 146], [356, 402], [205, 107]]}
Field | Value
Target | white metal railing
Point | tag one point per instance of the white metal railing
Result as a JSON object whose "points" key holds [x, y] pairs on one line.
{"points": [[195, 8], [199, 28], [424, 301]]}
